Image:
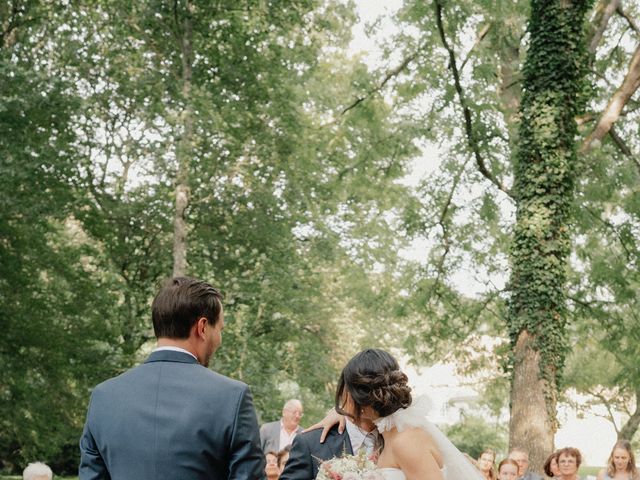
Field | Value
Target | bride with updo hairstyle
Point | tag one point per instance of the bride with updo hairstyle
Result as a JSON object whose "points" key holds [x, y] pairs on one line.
{"points": [[372, 379], [372, 388]]}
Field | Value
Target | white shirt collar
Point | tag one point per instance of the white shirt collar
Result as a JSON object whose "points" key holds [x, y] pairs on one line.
{"points": [[175, 349], [286, 438], [357, 435]]}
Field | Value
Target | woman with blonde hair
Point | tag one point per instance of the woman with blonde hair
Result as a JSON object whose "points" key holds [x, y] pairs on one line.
{"points": [[621, 464], [486, 462]]}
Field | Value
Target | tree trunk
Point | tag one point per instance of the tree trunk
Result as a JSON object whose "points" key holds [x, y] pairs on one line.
{"points": [[630, 428], [530, 426], [544, 176], [184, 147]]}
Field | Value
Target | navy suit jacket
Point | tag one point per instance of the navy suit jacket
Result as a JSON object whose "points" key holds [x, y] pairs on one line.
{"points": [[307, 453], [171, 418]]}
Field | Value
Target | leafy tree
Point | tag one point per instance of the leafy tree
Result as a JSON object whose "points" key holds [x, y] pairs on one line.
{"points": [[545, 174], [472, 435], [288, 198], [466, 208], [52, 347]]}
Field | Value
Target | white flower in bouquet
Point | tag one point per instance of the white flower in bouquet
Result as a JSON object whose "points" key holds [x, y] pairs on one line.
{"points": [[349, 467]]}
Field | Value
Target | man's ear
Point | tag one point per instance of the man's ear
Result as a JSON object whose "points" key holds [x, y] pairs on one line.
{"points": [[200, 326]]}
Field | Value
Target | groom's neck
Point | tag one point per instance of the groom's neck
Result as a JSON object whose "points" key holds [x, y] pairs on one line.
{"points": [[185, 344], [366, 425]]}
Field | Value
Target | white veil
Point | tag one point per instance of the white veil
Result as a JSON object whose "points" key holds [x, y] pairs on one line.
{"points": [[457, 466]]}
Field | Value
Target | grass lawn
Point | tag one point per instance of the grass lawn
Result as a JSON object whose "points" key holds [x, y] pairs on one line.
{"points": [[584, 471], [55, 477]]}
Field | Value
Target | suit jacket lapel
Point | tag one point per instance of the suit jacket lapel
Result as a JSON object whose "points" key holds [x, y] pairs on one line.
{"points": [[341, 444], [275, 436]]}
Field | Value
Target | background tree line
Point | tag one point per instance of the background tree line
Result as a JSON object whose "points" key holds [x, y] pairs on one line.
{"points": [[240, 142]]}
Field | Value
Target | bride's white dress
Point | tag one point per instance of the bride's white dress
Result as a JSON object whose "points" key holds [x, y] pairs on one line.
{"points": [[456, 466], [392, 474]]}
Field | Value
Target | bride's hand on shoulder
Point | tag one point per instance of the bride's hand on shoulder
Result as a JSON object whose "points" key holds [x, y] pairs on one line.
{"points": [[332, 418], [416, 455]]}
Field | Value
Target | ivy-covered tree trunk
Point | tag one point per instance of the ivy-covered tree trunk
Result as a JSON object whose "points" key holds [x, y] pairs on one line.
{"points": [[544, 176], [184, 146]]}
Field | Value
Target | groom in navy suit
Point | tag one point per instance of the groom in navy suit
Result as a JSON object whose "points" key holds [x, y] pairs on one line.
{"points": [[171, 417]]}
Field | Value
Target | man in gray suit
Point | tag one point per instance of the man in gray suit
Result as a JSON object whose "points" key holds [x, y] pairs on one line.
{"points": [[171, 417], [274, 436]]}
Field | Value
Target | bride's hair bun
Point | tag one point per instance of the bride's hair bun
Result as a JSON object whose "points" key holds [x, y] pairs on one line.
{"points": [[391, 393], [373, 378]]}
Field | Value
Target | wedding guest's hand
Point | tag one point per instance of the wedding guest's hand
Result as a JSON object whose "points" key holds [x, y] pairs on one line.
{"points": [[332, 418]]}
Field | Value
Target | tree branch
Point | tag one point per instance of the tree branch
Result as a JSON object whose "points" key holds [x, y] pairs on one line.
{"points": [[471, 136], [390, 74], [6, 36], [610, 226], [629, 19], [619, 99], [623, 147], [629, 429], [604, 13], [442, 222], [588, 305], [481, 35], [605, 401]]}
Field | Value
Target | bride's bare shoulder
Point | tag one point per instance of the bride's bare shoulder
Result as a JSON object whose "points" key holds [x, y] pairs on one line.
{"points": [[413, 436], [413, 441]]}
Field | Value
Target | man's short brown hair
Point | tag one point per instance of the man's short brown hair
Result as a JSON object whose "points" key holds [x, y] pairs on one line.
{"points": [[180, 303]]}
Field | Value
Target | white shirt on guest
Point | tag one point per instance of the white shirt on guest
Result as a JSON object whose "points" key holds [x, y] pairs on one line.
{"points": [[285, 437], [175, 349]]}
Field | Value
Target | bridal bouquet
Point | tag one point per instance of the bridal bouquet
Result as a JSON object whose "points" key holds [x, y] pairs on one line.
{"points": [[349, 467]]}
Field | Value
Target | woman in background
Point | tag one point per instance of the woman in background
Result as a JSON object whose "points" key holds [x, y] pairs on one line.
{"points": [[485, 464], [569, 460], [621, 464], [551, 468], [283, 456], [271, 469]]}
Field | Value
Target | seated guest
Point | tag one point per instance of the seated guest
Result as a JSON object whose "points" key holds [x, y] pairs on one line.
{"points": [[271, 468], [508, 469], [551, 468], [277, 435], [37, 471], [569, 460], [283, 456], [621, 463]]}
